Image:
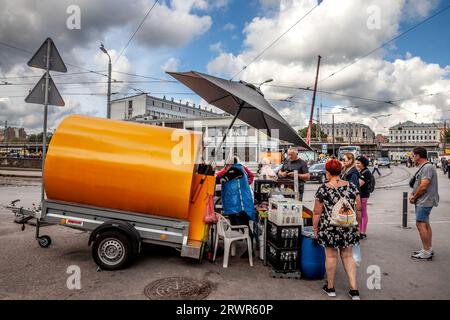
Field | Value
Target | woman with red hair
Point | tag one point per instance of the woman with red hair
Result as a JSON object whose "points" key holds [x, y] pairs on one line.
{"points": [[334, 236]]}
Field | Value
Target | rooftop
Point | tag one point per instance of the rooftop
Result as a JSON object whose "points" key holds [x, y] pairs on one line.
{"points": [[171, 101], [345, 125], [411, 124]]}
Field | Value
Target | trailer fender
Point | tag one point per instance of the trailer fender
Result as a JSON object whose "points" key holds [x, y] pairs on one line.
{"points": [[122, 226]]}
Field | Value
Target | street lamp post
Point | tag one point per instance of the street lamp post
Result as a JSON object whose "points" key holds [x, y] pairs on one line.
{"points": [[267, 81], [108, 107]]}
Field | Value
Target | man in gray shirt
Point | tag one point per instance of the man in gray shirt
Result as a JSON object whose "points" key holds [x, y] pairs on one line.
{"points": [[294, 163], [425, 196]]}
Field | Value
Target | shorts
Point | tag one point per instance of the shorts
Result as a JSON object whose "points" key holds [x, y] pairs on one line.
{"points": [[423, 214]]}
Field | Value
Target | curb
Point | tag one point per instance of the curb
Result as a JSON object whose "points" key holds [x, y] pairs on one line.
{"points": [[19, 176]]}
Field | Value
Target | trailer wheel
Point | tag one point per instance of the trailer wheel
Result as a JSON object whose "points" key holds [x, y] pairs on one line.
{"points": [[44, 241], [111, 250]]}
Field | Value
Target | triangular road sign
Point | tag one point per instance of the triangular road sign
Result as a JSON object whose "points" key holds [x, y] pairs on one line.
{"points": [[37, 95], [39, 59]]}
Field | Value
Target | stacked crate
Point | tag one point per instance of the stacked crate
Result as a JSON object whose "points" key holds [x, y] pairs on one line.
{"points": [[284, 233]]}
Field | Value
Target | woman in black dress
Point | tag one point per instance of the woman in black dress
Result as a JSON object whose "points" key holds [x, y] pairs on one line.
{"points": [[332, 237]]}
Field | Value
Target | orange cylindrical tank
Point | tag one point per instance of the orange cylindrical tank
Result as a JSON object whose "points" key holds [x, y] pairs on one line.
{"points": [[122, 165]]}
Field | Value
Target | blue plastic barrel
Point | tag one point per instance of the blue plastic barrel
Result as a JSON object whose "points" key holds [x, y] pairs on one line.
{"points": [[312, 261]]}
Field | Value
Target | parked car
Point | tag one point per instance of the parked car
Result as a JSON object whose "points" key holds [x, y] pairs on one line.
{"points": [[384, 162], [317, 172]]}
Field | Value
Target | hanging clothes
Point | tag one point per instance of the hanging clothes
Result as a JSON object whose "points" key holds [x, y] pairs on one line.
{"points": [[236, 193]]}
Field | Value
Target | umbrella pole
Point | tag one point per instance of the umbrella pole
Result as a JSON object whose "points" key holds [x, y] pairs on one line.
{"points": [[229, 128]]}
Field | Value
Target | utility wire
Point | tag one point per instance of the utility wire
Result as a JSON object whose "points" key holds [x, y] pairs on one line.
{"points": [[382, 46], [321, 91], [55, 75], [102, 94], [146, 77], [83, 82], [274, 41], [387, 42], [132, 36], [69, 64]]}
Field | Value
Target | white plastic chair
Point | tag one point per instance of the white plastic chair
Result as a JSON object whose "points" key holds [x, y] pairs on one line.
{"points": [[230, 234]]}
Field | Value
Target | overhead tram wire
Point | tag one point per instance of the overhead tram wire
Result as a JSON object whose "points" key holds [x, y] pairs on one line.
{"points": [[354, 97], [132, 36], [69, 64], [102, 94], [146, 77], [55, 75], [274, 41], [387, 42], [384, 44], [88, 82]]}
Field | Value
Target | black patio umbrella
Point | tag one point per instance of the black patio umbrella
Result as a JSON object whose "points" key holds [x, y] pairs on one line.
{"points": [[244, 101]]}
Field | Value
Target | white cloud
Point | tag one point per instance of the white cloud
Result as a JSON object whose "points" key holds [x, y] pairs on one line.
{"points": [[171, 65], [419, 8], [174, 26], [171, 25], [216, 47], [337, 30], [229, 27]]}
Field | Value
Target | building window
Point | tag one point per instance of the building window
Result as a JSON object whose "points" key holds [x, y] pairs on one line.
{"points": [[130, 109]]}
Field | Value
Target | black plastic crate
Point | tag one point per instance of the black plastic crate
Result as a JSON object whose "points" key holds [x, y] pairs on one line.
{"points": [[261, 196], [283, 260], [287, 237]]}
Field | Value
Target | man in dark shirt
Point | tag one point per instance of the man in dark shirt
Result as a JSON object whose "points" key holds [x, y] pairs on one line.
{"points": [[295, 163]]}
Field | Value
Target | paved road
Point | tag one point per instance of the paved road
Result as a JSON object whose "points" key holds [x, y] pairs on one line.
{"points": [[30, 272]]}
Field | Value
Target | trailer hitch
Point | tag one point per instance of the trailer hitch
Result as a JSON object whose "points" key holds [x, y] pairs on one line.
{"points": [[22, 215]]}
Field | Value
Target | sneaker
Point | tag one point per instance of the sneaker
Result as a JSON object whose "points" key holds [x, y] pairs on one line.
{"points": [[423, 255], [421, 250], [362, 236], [331, 292], [354, 294]]}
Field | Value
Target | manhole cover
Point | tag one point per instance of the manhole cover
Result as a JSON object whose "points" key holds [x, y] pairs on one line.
{"points": [[178, 288]]}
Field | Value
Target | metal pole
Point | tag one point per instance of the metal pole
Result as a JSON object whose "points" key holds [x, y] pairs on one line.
{"points": [[44, 136], [405, 210], [445, 136], [108, 112], [318, 125], [229, 128], [308, 136], [350, 133], [332, 128]]}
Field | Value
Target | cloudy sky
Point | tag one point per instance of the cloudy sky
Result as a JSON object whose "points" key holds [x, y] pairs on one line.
{"points": [[235, 38]]}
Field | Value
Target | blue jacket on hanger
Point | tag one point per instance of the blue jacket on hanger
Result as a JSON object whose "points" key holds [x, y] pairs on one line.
{"points": [[237, 196]]}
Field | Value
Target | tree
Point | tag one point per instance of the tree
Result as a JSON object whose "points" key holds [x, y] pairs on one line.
{"points": [[303, 132], [37, 138]]}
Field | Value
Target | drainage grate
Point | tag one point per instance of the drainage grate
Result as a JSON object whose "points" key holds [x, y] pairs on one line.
{"points": [[178, 288]]}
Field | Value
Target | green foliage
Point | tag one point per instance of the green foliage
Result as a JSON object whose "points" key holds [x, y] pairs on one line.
{"points": [[303, 132]]}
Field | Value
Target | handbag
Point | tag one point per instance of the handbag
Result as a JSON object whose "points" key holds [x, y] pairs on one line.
{"points": [[342, 214], [210, 215]]}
